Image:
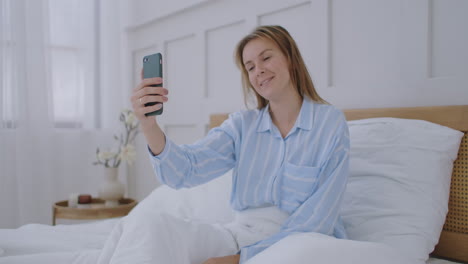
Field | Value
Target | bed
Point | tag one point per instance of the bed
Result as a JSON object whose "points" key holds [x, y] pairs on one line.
{"points": [[407, 197]]}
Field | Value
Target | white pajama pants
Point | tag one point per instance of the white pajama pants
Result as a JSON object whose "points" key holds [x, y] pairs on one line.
{"points": [[166, 239]]}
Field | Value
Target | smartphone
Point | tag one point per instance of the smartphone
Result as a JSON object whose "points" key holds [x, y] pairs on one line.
{"points": [[152, 67]]}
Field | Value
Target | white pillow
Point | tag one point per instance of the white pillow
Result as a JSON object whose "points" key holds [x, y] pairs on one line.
{"points": [[208, 202], [399, 183]]}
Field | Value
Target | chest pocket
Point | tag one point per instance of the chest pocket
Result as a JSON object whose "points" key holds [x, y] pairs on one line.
{"points": [[299, 182]]}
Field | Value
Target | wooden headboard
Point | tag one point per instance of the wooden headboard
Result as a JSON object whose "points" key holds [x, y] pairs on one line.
{"points": [[453, 242]]}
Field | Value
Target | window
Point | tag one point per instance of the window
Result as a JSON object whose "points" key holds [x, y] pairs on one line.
{"points": [[8, 66], [69, 30], [73, 62]]}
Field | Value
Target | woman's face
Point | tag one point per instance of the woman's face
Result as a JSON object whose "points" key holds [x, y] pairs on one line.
{"points": [[267, 68]]}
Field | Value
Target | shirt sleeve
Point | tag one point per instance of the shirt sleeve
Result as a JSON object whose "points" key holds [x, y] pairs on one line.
{"points": [[320, 212], [190, 165]]}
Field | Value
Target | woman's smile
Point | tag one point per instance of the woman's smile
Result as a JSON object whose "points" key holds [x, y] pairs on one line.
{"points": [[266, 81]]}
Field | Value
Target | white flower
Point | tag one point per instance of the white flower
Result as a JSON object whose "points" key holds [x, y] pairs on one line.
{"points": [[125, 150], [128, 153], [130, 119]]}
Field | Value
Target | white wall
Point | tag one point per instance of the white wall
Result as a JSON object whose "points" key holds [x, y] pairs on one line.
{"points": [[360, 53]]}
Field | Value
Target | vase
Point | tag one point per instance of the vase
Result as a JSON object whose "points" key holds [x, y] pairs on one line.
{"points": [[111, 190]]}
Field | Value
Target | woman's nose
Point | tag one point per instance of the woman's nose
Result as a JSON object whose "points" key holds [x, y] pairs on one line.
{"points": [[260, 71]]}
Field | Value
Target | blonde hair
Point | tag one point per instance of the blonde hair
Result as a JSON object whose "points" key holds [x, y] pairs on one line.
{"points": [[300, 77]]}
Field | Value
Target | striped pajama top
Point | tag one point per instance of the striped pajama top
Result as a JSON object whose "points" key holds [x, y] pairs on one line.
{"points": [[304, 174]]}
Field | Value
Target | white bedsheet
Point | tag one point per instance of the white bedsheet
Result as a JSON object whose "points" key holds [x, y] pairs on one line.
{"points": [[83, 243], [36, 243]]}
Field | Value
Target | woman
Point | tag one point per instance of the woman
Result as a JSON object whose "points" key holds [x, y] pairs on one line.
{"points": [[289, 157]]}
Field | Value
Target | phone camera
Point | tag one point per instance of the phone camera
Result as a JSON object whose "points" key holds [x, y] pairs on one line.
{"points": [[145, 60]]}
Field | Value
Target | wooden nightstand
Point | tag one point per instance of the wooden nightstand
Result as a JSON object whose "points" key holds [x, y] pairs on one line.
{"points": [[97, 210]]}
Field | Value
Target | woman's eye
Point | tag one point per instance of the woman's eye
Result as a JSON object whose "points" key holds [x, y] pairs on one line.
{"points": [[266, 58], [250, 69]]}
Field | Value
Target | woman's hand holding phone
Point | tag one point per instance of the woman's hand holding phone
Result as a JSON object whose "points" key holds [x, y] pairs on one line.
{"points": [[142, 94], [147, 100], [146, 92]]}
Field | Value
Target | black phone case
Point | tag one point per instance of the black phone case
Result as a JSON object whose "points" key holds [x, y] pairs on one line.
{"points": [[152, 67]]}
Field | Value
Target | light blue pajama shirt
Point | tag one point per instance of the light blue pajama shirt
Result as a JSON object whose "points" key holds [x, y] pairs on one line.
{"points": [[303, 174]]}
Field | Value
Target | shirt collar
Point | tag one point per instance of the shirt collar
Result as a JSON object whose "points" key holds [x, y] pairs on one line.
{"points": [[264, 121], [304, 120]]}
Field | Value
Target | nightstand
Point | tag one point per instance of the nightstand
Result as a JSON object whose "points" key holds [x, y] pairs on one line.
{"points": [[96, 210]]}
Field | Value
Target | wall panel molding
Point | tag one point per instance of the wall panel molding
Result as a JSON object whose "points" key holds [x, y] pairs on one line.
{"points": [[182, 70], [161, 18], [207, 50], [227, 25], [166, 44], [283, 9], [447, 38], [330, 43], [182, 133], [179, 38], [429, 40]]}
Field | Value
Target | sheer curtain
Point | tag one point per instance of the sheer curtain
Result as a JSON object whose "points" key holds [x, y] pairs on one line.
{"points": [[48, 107]]}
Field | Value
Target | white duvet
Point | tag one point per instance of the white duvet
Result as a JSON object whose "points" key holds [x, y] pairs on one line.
{"points": [[96, 242]]}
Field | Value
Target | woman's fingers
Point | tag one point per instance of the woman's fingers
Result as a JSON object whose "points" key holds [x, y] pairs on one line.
{"points": [[152, 99], [145, 92], [149, 90], [149, 109], [149, 94], [233, 259], [140, 101], [140, 109], [148, 82]]}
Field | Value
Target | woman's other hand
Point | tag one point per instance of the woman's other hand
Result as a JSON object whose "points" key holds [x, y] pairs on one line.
{"points": [[233, 259]]}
